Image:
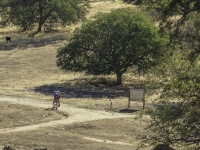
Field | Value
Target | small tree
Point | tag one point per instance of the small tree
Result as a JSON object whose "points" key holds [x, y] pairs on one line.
{"points": [[112, 43], [41, 13]]}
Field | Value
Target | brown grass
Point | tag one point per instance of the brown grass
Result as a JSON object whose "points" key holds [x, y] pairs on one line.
{"points": [[107, 7]]}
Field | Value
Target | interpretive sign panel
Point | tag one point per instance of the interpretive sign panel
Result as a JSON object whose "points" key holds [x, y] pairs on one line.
{"points": [[136, 95]]}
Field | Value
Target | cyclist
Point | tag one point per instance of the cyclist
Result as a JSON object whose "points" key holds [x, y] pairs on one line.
{"points": [[56, 100]]}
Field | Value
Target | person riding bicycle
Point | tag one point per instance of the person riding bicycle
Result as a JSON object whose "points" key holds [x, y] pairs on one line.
{"points": [[56, 100]]}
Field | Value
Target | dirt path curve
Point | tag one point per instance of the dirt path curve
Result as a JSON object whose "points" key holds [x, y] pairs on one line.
{"points": [[75, 114]]}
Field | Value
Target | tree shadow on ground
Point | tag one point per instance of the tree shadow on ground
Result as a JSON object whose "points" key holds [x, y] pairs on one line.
{"points": [[127, 110], [24, 41], [82, 88], [163, 147], [79, 92]]}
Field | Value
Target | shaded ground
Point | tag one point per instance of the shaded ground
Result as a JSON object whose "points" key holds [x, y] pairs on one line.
{"points": [[87, 87], [27, 42], [74, 92]]}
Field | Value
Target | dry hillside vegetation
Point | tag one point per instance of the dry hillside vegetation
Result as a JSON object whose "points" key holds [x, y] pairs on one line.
{"points": [[29, 76], [28, 67]]}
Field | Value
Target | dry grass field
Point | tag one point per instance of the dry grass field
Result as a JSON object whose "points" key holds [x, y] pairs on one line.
{"points": [[28, 77]]}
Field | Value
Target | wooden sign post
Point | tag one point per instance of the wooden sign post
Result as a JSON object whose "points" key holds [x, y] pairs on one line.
{"points": [[136, 95]]}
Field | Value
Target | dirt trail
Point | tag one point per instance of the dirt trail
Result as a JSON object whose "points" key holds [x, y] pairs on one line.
{"points": [[75, 114]]}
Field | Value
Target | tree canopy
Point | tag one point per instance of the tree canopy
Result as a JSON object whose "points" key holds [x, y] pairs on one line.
{"points": [[110, 43], [176, 120], [171, 13], [182, 18], [28, 14]]}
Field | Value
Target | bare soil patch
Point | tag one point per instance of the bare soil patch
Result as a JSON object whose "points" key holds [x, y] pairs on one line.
{"points": [[13, 115], [63, 138], [78, 129]]}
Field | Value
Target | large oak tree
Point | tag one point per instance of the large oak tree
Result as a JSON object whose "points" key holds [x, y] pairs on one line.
{"points": [[113, 42]]}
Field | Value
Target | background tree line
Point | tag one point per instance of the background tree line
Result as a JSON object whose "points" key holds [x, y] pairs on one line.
{"points": [[47, 14]]}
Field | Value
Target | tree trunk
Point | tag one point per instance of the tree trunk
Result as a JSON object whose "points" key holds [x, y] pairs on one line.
{"points": [[41, 16], [39, 27], [119, 79]]}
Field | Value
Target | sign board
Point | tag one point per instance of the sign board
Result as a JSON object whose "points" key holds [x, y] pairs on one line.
{"points": [[136, 95]]}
